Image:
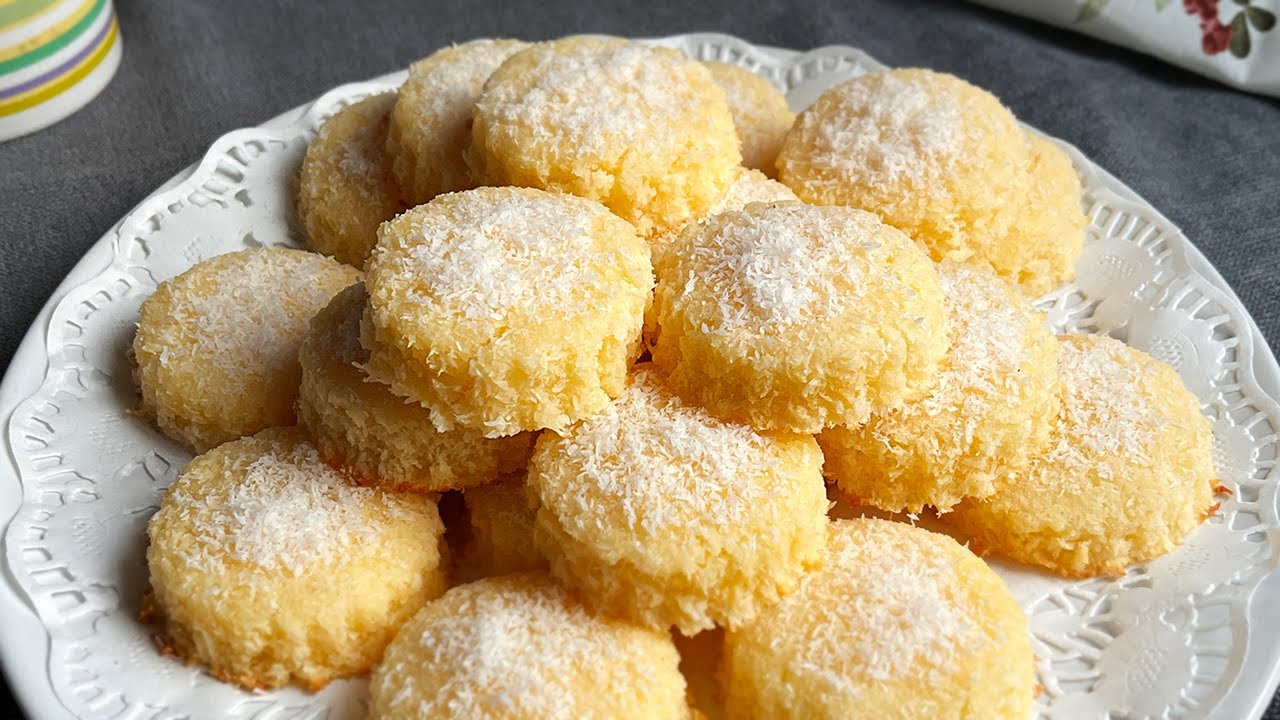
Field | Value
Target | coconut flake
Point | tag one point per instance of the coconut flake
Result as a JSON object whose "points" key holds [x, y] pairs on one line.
{"points": [[288, 512], [886, 130]]}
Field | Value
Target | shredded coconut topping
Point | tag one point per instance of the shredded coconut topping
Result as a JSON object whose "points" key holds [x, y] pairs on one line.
{"points": [[509, 652], [1104, 411], [346, 162], [743, 98], [446, 85], [752, 186], [754, 101], [361, 154], [663, 463], [590, 96], [250, 316], [748, 186], [989, 344], [885, 129], [772, 267], [889, 609], [289, 512], [362, 169], [512, 249]]}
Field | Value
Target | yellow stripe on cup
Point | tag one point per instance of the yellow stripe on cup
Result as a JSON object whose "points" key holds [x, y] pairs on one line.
{"points": [[41, 93]]}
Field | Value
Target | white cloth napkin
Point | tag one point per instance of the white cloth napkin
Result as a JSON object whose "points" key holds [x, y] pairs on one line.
{"points": [[1234, 41]]}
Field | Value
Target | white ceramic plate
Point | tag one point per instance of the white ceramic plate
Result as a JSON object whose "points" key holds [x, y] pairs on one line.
{"points": [[1185, 636]]}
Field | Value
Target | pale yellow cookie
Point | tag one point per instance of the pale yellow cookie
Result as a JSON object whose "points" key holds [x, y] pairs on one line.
{"points": [[760, 114], [899, 623], [1048, 237], [268, 566], [749, 186], [1127, 475], [657, 512], [380, 438], [431, 124], [519, 647], [989, 413], [644, 130], [946, 163], [506, 309], [216, 350], [345, 189], [796, 317]]}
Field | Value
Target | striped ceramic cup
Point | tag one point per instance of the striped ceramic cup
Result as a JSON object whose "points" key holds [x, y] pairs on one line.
{"points": [[55, 56]]}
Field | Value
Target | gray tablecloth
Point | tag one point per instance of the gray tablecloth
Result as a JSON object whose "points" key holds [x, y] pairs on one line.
{"points": [[1208, 157]]}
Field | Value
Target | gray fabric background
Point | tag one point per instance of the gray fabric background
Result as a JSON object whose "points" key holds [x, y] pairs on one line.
{"points": [[1208, 157]]}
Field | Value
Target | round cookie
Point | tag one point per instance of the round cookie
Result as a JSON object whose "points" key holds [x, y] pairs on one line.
{"points": [[797, 317], [506, 309], [568, 115], [938, 158], [216, 352], [1048, 237], [268, 566], [760, 114], [1127, 474], [521, 648], [345, 190], [379, 437], [748, 186], [898, 622], [990, 411], [501, 521], [431, 124], [657, 512]]}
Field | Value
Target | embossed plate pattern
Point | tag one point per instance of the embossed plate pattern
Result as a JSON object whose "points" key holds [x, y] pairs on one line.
{"points": [[1180, 637]]}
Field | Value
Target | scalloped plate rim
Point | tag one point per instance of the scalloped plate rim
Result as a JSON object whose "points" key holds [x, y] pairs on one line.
{"points": [[1245, 696]]}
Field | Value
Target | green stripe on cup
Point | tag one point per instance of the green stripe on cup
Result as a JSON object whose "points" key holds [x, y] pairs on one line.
{"points": [[61, 41]]}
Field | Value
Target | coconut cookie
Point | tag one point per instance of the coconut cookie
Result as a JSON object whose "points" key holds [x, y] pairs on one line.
{"points": [[345, 189], [268, 566], [506, 309], [431, 122], [760, 114], [988, 414], [378, 437], [797, 317], [898, 622], [658, 512], [501, 520], [216, 350], [1048, 237], [1127, 475], [749, 186], [519, 647], [569, 115], [941, 160]]}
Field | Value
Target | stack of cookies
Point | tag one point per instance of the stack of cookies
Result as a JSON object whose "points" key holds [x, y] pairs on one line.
{"points": [[602, 332]]}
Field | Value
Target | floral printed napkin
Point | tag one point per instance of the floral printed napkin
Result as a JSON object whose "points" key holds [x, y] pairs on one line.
{"points": [[1234, 41]]}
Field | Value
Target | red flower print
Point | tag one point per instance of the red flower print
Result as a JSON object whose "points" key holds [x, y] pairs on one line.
{"points": [[1206, 9], [1217, 37]]}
